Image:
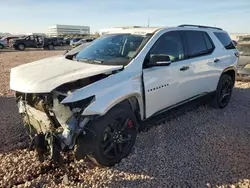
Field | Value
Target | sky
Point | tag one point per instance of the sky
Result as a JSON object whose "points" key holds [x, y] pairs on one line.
{"points": [[23, 16]]}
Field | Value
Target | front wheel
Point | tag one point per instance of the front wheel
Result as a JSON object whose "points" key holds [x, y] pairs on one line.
{"points": [[112, 136], [1, 46], [223, 92]]}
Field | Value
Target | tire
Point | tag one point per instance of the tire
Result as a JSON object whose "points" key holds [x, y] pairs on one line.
{"points": [[51, 47], [112, 136], [21, 47], [1, 46], [223, 92]]}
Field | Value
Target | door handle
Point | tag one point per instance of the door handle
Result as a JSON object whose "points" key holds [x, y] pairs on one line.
{"points": [[216, 60], [184, 68]]}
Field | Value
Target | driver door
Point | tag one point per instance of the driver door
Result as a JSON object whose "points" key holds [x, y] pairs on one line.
{"points": [[164, 84], [31, 42]]}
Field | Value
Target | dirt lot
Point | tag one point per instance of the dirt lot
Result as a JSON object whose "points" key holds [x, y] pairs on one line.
{"points": [[201, 148]]}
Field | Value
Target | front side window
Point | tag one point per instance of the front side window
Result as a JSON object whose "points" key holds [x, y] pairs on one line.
{"points": [[196, 45], [113, 49], [32, 38], [169, 44]]}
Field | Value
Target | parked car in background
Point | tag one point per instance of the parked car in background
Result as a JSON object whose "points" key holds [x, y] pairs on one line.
{"points": [[67, 40], [82, 41], [4, 41], [58, 41], [74, 40], [94, 102], [2, 45], [243, 72], [32, 41]]}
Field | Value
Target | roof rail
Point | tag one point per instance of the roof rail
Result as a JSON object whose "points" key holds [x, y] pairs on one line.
{"points": [[199, 26]]}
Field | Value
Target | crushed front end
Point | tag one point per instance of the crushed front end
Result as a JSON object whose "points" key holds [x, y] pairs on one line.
{"points": [[53, 127]]}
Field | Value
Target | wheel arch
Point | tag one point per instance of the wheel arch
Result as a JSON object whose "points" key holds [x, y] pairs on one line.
{"points": [[133, 101], [231, 71], [101, 107]]}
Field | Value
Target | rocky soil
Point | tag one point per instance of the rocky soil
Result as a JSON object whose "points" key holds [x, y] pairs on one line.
{"points": [[204, 147]]}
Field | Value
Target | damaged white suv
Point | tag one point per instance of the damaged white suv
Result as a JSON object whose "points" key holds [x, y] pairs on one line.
{"points": [[94, 100]]}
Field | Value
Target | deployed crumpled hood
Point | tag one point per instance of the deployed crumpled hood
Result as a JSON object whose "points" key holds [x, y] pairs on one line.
{"points": [[45, 75]]}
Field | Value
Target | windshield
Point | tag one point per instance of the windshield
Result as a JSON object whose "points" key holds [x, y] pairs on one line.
{"points": [[244, 49], [113, 49]]}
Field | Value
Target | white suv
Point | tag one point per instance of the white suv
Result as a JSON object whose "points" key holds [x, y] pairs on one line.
{"points": [[94, 100]]}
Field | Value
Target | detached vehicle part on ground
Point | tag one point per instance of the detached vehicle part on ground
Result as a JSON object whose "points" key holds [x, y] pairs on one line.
{"points": [[95, 98], [32, 41]]}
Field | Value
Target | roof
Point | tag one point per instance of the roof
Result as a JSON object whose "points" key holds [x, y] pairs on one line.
{"points": [[142, 30]]}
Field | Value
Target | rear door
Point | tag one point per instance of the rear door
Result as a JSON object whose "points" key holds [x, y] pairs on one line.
{"points": [[200, 60]]}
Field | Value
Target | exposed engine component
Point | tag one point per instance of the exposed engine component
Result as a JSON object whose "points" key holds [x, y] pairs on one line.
{"points": [[56, 125]]}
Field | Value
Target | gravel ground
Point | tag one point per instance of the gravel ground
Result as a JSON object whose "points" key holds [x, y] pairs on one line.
{"points": [[201, 148]]}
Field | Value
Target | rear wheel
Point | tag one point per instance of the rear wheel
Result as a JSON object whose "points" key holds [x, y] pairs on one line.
{"points": [[21, 47], [113, 136], [223, 92]]}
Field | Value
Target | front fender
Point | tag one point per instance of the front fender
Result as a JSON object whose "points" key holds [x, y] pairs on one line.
{"points": [[109, 92]]}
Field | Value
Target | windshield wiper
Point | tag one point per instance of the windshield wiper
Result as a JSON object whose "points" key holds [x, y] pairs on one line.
{"points": [[91, 60]]}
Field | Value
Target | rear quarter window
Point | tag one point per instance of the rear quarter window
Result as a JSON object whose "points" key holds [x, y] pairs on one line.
{"points": [[225, 40]]}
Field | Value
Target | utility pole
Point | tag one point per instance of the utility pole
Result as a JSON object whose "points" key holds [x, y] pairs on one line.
{"points": [[148, 22]]}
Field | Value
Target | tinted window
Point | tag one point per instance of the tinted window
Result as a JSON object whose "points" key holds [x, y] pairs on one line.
{"points": [[169, 44], [225, 40], [196, 44], [209, 43]]}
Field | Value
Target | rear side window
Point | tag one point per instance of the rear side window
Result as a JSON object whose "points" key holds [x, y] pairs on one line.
{"points": [[196, 44], [225, 40]]}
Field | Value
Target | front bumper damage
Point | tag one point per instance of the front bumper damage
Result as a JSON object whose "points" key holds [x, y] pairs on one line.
{"points": [[53, 127]]}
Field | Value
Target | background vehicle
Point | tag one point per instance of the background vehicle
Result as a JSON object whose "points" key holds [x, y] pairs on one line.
{"points": [[244, 62], [57, 41], [32, 41], [74, 40], [98, 96], [4, 41], [67, 40], [82, 41]]}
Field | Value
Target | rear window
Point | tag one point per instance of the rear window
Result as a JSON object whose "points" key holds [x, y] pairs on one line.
{"points": [[225, 40], [198, 43]]}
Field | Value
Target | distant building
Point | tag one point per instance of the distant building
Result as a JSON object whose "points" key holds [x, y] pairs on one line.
{"points": [[57, 30], [106, 30]]}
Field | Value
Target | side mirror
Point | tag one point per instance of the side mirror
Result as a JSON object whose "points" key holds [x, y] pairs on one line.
{"points": [[159, 60]]}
